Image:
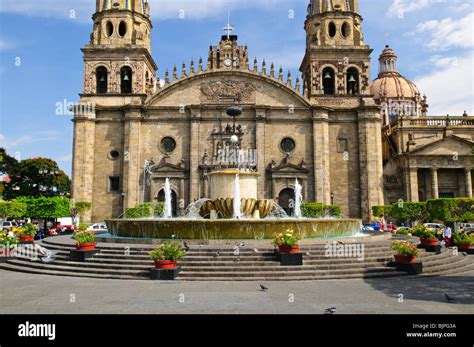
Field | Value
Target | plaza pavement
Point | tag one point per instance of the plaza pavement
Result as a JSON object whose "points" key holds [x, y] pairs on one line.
{"points": [[38, 294]]}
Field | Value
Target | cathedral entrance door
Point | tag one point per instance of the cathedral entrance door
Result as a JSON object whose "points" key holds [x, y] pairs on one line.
{"points": [[174, 200], [286, 199]]}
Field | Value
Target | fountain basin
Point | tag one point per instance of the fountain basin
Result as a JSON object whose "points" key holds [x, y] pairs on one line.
{"points": [[230, 229]]}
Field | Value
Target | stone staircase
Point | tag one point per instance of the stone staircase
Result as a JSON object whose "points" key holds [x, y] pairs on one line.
{"points": [[132, 262]]}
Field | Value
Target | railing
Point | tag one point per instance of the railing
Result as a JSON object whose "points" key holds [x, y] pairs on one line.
{"points": [[436, 121]]}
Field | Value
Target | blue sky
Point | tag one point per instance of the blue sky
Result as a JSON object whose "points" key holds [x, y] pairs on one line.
{"points": [[41, 61]]}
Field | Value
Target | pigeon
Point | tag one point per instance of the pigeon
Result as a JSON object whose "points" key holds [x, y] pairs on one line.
{"points": [[263, 288], [236, 251], [241, 245], [216, 254], [186, 247], [340, 242], [330, 310], [308, 254], [255, 250], [448, 298], [464, 254]]}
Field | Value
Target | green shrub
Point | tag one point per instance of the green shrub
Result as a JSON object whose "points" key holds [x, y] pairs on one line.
{"points": [[168, 251], [145, 210], [84, 237], [318, 210], [463, 238], [381, 211], [451, 210], [28, 230], [12, 209], [408, 211], [403, 231], [424, 233], [288, 238], [405, 248]]}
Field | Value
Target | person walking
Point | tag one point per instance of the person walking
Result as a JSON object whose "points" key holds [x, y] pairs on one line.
{"points": [[447, 234]]}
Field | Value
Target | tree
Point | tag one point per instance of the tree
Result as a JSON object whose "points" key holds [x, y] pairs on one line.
{"points": [[409, 211], [78, 209], [12, 209], [46, 207], [451, 210], [6, 163], [36, 177]]}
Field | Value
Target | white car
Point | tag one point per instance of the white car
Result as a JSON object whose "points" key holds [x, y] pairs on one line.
{"points": [[98, 227]]}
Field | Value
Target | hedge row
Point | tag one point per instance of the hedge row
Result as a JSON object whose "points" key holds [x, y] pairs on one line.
{"points": [[318, 210], [445, 210], [145, 210]]}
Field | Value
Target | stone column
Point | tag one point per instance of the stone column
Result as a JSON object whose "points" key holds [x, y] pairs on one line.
{"points": [[83, 159], [182, 199], [370, 160], [260, 146], [413, 185], [194, 174], [321, 163], [468, 182], [434, 184], [132, 159]]}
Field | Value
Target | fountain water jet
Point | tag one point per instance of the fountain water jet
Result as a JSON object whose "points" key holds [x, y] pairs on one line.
{"points": [[237, 203], [168, 210], [298, 199]]}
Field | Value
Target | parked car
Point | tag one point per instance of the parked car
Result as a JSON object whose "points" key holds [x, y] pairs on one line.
{"points": [[468, 227], [390, 227], [8, 226], [98, 227], [435, 226], [368, 227]]}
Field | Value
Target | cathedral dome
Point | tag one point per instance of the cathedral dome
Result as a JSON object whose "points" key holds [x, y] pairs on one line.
{"points": [[390, 84]]}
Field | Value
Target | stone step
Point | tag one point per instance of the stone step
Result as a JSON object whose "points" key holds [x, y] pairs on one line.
{"points": [[23, 269], [78, 269]]}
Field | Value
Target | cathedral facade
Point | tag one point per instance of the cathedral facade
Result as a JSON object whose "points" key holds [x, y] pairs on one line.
{"points": [[332, 129]]}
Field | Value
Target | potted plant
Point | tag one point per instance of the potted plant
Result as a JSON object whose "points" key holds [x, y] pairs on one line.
{"points": [[287, 242], [463, 241], [406, 251], [8, 242], [427, 236], [85, 240], [27, 233], [167, 254], [403, 231]]}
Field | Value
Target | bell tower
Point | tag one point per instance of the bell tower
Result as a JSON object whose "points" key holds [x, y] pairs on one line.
{"points": [[337, 60], [118, 60]]}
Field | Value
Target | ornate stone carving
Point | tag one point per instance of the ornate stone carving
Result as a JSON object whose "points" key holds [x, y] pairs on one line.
{"points": [[228, 91]]}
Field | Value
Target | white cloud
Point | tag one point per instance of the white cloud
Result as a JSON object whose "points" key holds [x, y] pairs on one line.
{"points": [[400, 7], [13, 142], [4, 45], [450, 89], [448, 33]]}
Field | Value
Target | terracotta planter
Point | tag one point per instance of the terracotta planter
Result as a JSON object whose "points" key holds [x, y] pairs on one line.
{"points": [[464, 246], [86, 246], [289, 249], [26, 238], [405, 259], [165, 264], [426, 242]]}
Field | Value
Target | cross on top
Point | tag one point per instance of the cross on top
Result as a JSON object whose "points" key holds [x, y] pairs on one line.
{"points": [[228, 28]]}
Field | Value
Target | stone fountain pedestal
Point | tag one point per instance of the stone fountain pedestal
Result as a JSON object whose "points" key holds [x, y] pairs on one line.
{"points": [[221, 184]]}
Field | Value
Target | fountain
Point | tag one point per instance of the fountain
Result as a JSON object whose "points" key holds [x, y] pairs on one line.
{"points": [[232, 211]]}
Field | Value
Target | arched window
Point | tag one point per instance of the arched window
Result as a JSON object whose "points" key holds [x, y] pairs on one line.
{"points": [[352, 81], [101, 80], [329, 85], [126, 80]]}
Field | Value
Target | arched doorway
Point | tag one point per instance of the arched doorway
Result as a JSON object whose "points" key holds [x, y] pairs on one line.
{"points": [[174, 200], [286, 199]]}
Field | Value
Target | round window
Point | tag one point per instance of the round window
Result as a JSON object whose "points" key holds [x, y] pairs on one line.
{"points": [[168, 144], [287, 145], [122, 30], [109, 28], [332, 29], [114, 155]]}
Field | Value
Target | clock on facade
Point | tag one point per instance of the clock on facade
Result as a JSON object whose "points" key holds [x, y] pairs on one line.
{"points": [[228, 62]]}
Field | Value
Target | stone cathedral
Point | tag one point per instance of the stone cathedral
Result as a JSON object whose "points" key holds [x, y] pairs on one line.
{"points": [[334, 129]]}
